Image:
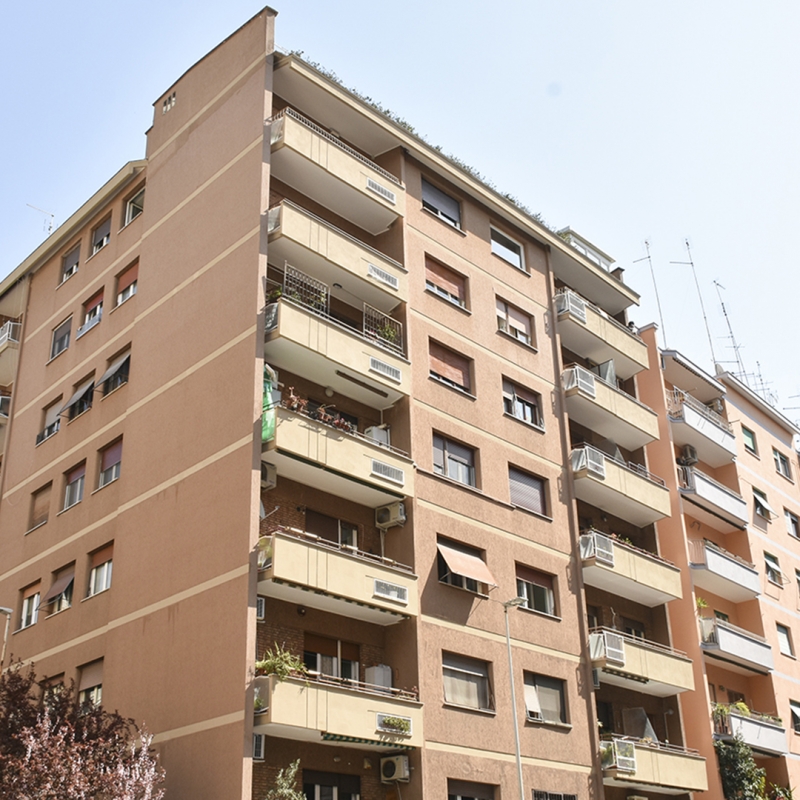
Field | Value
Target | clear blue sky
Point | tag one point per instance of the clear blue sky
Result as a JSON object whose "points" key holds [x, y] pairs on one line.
{"points": [[626, 120]]}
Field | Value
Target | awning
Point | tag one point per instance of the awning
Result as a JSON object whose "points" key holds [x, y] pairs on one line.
{"points": [[115, 367], [58, 588], [82, 391], [335, 737], [466, 565], [763, 507]]}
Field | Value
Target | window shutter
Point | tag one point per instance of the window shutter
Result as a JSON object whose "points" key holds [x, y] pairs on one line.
{"points": [[322, 525], [532, 705], [449, 365], [438, 454], [102, 231], [128, 277], [31, 590], [444, 278], [519, 320], [94, 302], [321, 644], [76, 473], [550, 691], [534, 576], [41, 506], [91, 675], [350, 651], [101, 556], [527, 491], [447, 206], [51, 413], [112, 455]]}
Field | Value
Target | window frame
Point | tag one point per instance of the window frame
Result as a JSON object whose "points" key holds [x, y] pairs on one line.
{"points": [[505, 327], [447, 457], [449, 353], [464, 582], [428, 204], [68, 268], [782, 465], [79, 482], [112, 472], [781, 629], [131, 203], [751, 448], [121, 366], [36, 522], [772, 569], [761, 505], [431, 266], [544, 503], [512, 401], [500, 254], [479, 669], [29, 611], [470, 790], [104, 572], [533, 592], [130, 288], [63, 340], [98, 244], [792, 523], [538, 681], [794, 713]]}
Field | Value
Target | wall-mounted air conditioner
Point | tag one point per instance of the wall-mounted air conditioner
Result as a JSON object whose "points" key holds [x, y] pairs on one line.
{"points": [[379, 433], [391, 515], [269, 476], [394, 769], [689, 455]]}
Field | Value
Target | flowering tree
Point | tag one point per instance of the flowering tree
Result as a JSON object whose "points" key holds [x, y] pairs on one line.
{"points": [[54, 748]]}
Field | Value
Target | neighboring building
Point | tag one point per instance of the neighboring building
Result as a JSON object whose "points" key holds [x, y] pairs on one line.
{"points": [[297, 384]]}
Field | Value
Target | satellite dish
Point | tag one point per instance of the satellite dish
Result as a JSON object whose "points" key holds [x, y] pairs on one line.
{"points": [[796, 442]]}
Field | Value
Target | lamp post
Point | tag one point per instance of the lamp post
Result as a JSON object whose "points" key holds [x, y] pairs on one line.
{"points": [[515, 602], [8, 612]]}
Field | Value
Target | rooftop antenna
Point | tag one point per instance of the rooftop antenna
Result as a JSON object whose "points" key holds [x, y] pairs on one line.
{"points": [[48, 223], [734, 343], [700, 296], [655, 287]]}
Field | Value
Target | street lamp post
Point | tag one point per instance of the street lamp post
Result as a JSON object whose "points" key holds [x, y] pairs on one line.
{"points": [[515, 602], [8, 612]]}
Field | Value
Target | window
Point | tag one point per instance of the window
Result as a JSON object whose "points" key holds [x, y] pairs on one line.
{"points": [[92, 314], [749, 440], [73, 491], [81, 400], [134, 206], [522, 404], [110, 463], [721, 616], [792, 523], [514, 322], [30, 605], [463, 566], [782, 464], [634, 628], [126, 283], [444, 282], [773, 569], [331, 657], [101, 562], [784, 640], [447, 208], [60, 340], [527, 491], [117, 373], [794, 707], [467, 790], [544, 698], [448, 367], [52, 421], [509, 250], [331, 529], [40, 506], [762, 506], [453, 460], [466, 682], [101, 235], [59, 596], [69, 263], [330, 786], [90, 684], [537, 589]]}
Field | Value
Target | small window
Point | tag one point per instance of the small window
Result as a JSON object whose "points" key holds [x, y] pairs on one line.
{"points": [[453, 460], [110, 463], [60, 341], [437, 202], [509, 250], [762, 506], [69, 263], [794, 707], [544, 698], [101, 563], [784, 640], [126, 283], [445, 283], [463, 566], [134, 206], [30, 605], [449, 367], [51, 419], [327, 785], [92, 314], [773, 569], [527, 491], [59, 596], [331, 529], [331, 657], [81, 400], [40, 506], [73, 488], [782, 464], [522, 404], [749, 440], [634, 628], [101, 236], [117, 373], [90, 684], [792, 523], [537, 589], [467, 790], [721, 616], [466, 682], [514, 322]]}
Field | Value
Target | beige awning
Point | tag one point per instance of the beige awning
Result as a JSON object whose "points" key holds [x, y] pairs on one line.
{"points": [[466, 564]]}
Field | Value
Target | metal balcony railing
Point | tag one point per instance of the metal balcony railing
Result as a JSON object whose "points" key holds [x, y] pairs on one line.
{"points": [[568, 300], [697, 552], [677, 399]]}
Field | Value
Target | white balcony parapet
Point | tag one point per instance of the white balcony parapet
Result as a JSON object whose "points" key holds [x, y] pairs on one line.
{"points": [[764, 733], [734, 645], [678, 401], [722, 573], [726, 509], [695, 424]]}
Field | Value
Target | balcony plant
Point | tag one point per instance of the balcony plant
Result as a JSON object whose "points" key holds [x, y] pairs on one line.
{"points": [[281, 663], [396, 725]]}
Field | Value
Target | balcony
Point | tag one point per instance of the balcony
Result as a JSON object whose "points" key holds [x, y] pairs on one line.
{"points": [[603, 408], [742, 651], [638, 664], [627, 571], [346, 464], [651, 766], [335, 711], [302, 568], [361, 358], [699, 426], [332, 256], [324, 168], [591, 333], [763, 733], [711, 502], [5, 411], [10, 334], [722, 573], [627, 491]]}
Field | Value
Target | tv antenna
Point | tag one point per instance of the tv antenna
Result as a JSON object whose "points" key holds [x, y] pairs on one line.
{"points": [[48, 223], [734, 344], [690, 263], [655, 287]]}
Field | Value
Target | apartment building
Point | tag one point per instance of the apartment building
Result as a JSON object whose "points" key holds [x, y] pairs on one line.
{"points": [[296, 388]]}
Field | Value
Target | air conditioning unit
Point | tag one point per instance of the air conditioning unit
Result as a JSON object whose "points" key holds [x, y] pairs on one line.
{"points": [[258, 746], [391, 515], [689, 455], [394, 769], [269, 476], [378, 433], [261, 608], [717, 406]]}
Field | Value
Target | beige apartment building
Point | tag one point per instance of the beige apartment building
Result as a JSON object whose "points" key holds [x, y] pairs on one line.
{"points": [[297, 386]]}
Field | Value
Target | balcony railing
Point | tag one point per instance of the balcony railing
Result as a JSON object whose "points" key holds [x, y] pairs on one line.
{"points": [[722, 573], [567, 300], [764, 733], [587, 457], [677, 399], [736, 645], [726, 505]]}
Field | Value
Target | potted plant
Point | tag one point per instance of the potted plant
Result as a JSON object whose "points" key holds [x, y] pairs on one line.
{"points": [[280, 663], [399, 725]]}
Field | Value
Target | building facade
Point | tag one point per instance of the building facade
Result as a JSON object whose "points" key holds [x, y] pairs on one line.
{"points": [[314, 446]]}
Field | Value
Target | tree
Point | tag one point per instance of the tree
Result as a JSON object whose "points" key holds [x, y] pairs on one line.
{"points": [[52, 747], [285, 787], [741, 778]]}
